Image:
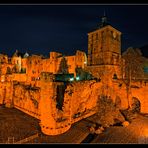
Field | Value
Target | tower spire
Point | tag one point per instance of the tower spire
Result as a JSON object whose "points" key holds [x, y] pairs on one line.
{"points": [[104, 19], [104, 13]]}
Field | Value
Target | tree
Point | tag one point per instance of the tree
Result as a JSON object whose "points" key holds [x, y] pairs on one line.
{"points": [[132, 67], [107, 112], [133, 63], [63, 68]]}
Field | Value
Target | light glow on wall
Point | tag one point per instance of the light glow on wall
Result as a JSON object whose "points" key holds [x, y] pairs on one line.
{"points": [[71, 79], [77, 78]]}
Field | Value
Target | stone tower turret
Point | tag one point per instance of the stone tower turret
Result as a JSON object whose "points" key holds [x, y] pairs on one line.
{"points": [[53, 121]]}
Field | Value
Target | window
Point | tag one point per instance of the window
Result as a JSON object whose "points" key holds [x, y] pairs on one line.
{"points": [[115, 76], [103, 36], [23, 70], [8, 70], [96, 36], [94, 50], [32, 78], [118, 38], [91, 46], [33, 71], [9, 60], [92, 37]]}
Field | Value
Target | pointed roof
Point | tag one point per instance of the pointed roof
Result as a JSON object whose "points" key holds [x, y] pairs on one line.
{"points": [[26, 55], [103, 20], [17, 54], [102, 24]]}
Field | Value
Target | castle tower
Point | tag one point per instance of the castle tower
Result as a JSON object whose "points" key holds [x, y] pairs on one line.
{"points": [[104, 45], [52, 120], [104, 49]]}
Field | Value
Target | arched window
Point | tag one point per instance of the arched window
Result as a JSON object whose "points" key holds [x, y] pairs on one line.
{"points": [[118, 102], [115, 76], [96, 36], [8, 70]]}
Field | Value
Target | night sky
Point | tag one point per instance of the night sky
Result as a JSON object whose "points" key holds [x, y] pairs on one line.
{"points": [[40, 29]]}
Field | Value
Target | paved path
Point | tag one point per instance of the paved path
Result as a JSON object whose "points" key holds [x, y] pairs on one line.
{"points": [[74, 135], [135, 133], [14, 123]]}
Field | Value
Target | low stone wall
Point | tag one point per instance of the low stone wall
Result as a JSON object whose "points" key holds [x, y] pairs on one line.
{"points": [[83, 97], [142, 95], [79, 100], [20, 77], [26, 99]]}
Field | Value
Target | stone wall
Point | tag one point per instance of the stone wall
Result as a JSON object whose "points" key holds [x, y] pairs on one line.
{"points": [[19, 77], [141, 94], [83, 98], [54, 121], [26, 99], [105, 72], [78, 100]]}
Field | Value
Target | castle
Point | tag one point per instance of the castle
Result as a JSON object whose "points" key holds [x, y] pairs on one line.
{"points": [[29, 83]]}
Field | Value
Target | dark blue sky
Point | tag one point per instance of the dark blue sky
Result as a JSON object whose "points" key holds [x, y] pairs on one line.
{"points": [[40, 29]]}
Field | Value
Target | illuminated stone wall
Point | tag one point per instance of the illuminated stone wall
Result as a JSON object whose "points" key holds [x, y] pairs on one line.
{"points": [[26, 99], [141, 93], [6, 93], [53, 63], [79, 100], [19, 77], [34, 68], [104, 72], [83, 98], [54, 121], [104, 46]]}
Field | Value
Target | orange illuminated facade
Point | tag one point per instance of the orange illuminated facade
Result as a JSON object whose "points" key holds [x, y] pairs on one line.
{"points": [[104, 51], [26, 82]]}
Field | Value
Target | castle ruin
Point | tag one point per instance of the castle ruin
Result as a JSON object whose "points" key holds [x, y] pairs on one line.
{"points": [[29, 83]]}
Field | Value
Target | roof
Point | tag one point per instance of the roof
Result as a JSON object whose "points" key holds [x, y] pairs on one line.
{"points": [[99, 27], [18, 54], [102, 24]]}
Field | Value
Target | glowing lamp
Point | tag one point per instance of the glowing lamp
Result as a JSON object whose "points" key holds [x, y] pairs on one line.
{"points": [[77, 78], [71, 79]]}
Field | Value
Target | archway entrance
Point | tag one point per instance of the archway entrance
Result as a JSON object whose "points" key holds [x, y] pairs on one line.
{"points": [[118, 102], [136, 105]]}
